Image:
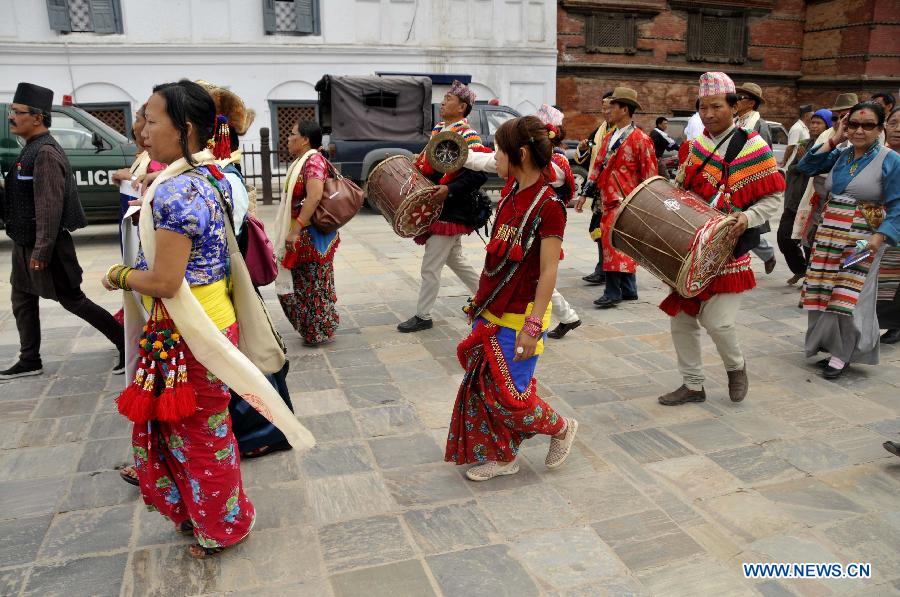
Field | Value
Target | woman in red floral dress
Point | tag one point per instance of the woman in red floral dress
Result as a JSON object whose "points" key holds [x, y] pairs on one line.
{"points": [[310, 252], [497, 406]]}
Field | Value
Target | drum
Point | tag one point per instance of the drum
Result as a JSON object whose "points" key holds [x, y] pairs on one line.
{"points": [[675, 234], [403, 195]]}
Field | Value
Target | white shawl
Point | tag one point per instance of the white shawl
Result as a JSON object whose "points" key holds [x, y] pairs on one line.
{"points": [[284, 283], [209, 346]]}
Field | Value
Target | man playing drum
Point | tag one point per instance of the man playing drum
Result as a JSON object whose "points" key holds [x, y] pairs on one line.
{"points": [[736, 172], [626, 159], [442, 241]]}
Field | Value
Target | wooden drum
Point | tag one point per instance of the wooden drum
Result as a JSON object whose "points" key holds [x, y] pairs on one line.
{"points": [[673, 233], [403, 195]]}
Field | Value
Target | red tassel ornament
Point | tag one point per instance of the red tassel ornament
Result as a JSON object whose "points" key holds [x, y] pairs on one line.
{"points": [[161, 358], [221, 141], [515, 254]]}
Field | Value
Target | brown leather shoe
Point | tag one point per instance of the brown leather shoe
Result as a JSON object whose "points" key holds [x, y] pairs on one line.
{"points": [[682, 395], [738, 384]]}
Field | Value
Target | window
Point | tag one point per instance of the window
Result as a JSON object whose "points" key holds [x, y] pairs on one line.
{"points": [[116, 116], [380, 99], [495, 118], [70, 133], [92, 16], [285, 116], [610, 33], [291, 17], [717, 37]]}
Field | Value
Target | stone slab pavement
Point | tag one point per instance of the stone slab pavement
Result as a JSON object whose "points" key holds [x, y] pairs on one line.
{"points": [[653, 500]]}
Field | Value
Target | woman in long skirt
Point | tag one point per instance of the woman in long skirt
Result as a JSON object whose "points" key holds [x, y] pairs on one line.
{"points": [[863, 213], [309, 252], [497, 406]]}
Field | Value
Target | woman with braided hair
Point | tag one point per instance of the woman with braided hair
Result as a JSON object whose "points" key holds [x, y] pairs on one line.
{"points": [[497, 406]]}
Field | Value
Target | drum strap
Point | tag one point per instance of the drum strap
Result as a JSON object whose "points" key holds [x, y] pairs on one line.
{"points": [[687, 183]]}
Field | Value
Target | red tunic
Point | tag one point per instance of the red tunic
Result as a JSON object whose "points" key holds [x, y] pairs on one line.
{"points": [[515, 296], [632, 163]]}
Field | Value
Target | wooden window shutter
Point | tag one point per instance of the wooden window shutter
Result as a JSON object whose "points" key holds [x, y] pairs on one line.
{"points": [[58, 13], [268, 8], [107, 16], [737, 38], [695, 36], [306, 18]]}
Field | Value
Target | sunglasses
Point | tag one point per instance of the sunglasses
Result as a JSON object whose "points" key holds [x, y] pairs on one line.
{"points": [[866, 126]]}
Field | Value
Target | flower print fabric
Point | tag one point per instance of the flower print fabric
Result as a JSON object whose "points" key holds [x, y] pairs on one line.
{"points": [[497, 406], [187, 204], [190, 470]]}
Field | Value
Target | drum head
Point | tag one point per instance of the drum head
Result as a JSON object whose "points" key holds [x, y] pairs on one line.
{"points": [[447, 152]]}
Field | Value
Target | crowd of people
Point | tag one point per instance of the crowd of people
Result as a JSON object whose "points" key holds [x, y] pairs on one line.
{"points": [[205, 384]]}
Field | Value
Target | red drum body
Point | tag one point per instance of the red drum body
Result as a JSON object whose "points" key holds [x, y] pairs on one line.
{"points": [[674, 234], [403, 195]]}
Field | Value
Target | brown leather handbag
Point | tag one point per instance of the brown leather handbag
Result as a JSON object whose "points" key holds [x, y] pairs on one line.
{"points": [[341, 200]]}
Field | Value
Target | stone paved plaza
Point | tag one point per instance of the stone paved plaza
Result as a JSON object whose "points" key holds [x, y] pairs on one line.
{"points": [[652, 501]]}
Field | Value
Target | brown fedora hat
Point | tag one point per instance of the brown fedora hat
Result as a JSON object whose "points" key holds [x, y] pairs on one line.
{"points": [[625, 95], [751, 89], [845, 101]]}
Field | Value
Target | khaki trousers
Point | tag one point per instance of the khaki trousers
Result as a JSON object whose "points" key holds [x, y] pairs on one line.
{"points": [[717, 316], [441, 251]]}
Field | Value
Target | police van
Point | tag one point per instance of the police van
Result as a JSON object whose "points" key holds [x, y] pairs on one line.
{"points": [[95, 152]]}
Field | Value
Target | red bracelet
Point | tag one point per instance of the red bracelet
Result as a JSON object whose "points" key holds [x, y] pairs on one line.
{"points": [[831, 143]]}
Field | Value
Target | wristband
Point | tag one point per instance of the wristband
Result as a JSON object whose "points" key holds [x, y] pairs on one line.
{"points": [[831, 143], [301, 222]]}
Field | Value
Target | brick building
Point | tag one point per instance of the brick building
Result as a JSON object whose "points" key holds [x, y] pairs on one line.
{"points": [[798, 51]]}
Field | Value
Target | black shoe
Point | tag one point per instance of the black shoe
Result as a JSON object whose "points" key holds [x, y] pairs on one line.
{"points": [[830, 372], [605, 303], [891, 336], [119, 369], [630, 298], [892, 447], [21, 370], [415, 324], [562, 329], [823, 363], [770, 265], [595, 279]]}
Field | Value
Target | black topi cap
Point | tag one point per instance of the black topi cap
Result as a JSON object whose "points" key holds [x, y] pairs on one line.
{"points": [[34, 96]]}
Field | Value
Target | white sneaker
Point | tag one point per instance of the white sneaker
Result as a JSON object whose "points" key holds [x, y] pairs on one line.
{"points": [[491, 469], [560, 448]]}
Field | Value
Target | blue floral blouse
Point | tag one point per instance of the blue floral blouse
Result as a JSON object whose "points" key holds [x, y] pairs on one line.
{"points": [[188, 205]]}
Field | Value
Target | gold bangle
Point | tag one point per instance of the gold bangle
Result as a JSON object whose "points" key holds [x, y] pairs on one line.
{"points": [[125, 284], [110, 276]]}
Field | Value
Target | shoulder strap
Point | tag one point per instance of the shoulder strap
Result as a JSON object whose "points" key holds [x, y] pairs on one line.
{"points": [[738, 140]]}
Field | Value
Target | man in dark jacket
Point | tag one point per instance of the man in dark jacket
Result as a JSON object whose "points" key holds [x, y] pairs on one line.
{"points": [[41, 206], [443, 244]]}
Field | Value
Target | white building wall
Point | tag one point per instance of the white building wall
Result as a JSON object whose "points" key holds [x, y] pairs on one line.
{"points": [[507, 46]]}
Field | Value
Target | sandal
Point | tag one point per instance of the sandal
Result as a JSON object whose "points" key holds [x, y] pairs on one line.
{"points": [[130, 476], [185, 528], [560, 448], [491, 469], [260, 452], [199, 552]]}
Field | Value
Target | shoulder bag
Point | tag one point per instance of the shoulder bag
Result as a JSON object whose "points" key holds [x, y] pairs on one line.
{"points": [[341, 200], [257, 337]]}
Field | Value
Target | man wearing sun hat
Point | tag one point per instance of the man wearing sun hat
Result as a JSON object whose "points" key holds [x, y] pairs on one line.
{"points": [[718, 167], [625, 159], [750, 98]]}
